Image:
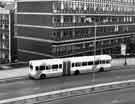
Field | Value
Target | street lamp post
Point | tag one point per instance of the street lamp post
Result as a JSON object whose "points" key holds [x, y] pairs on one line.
{"points": [[95, 30]]}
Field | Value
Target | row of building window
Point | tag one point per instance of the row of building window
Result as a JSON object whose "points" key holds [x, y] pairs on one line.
{"points": [[89, 32], [70, 6], [84, 20], [102, 1], [87, 6], [4, 17], [64, 50]]}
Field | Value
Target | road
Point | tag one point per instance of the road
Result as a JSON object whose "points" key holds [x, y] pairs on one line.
{"points": [[29, 87], [122, 96]]}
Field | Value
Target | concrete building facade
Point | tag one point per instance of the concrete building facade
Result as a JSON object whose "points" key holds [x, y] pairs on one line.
{"points": [[63, 28]]}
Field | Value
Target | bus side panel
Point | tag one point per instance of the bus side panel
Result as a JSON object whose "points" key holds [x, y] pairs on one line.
{"points": [[66, 68]]}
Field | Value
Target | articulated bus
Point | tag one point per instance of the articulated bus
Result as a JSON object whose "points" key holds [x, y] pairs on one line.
{"points": [[40, 69]]}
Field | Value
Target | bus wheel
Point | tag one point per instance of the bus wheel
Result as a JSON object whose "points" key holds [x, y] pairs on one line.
{"points": [[42, 76], [101, 69], [77, 72]]}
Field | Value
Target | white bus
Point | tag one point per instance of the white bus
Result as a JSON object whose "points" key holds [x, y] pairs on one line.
{"points": [[68, 66]]}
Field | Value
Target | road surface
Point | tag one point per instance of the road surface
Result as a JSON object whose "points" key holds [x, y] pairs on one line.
{"points": [[122, 96], [30, 87]]}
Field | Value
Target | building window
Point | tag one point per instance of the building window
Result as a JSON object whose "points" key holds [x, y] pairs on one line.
{"points": [[68, 19]]}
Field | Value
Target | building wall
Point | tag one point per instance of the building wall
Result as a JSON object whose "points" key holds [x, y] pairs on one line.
{"points": [[33, 47], [43, 20], [38, 33], [71, 27]]}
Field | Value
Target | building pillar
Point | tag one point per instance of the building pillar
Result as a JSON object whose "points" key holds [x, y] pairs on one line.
{"points": [[74, 19], [62, 5], [12, 47], [61, 34], [62, 20]]}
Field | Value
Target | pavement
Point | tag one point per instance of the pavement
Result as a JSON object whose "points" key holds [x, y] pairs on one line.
{"points": [[17, 71], [14, 71]]}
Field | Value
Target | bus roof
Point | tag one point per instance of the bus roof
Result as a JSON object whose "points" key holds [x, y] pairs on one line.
{"points": [[45, 61], [72, 59], [89, 58]]}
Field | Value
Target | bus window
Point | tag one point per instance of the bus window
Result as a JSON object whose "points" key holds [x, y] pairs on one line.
{"points": [[90, 63], [107, 61], [54, 66], [47, 67], [77, 64], [97, 62], [36, 68], [42, 67], [103, 62], [60, 65], [73, 64], [84, 63]]}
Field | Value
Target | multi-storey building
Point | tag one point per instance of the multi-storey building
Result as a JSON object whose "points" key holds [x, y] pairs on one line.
{"points": [[62, 28], [6, 35]]}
